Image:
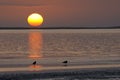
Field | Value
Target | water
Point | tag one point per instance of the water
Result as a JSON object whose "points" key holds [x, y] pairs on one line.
{"points": [[19, 44], [19, 48]]}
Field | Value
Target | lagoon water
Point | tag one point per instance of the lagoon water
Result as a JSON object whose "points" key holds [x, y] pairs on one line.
{"points": [[19, 48]]}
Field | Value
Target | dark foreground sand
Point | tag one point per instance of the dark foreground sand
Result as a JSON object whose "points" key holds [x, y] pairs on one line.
{"points": [[65, 73]]}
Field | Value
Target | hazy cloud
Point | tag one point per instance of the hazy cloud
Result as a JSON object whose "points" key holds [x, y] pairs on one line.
{"points": [[59, 2], [25, 2], [61, 12]]}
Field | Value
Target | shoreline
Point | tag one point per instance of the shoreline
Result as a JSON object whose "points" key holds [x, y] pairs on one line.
{"points": [[80, 72], [84, 73], [40, 68]]}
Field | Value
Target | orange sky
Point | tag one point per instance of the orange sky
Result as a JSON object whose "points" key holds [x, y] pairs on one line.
{"points": [[63, 13]]}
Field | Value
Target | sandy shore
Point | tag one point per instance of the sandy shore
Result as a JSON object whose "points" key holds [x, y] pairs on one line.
{"points": [[64, 72], [85, 74], [52, 68]]}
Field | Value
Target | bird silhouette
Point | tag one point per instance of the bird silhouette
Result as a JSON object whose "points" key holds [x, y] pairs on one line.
{"points": [[34, 63], [65, 63]]}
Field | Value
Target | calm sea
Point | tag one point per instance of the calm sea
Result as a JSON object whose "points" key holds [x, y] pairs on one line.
{"points": [[19, 48]]}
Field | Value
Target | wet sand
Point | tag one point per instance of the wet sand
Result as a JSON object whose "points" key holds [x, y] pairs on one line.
{"points": [[64, 72], [54, 68]]}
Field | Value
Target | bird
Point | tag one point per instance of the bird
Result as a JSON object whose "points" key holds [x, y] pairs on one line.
{"points": [[65, 63], [34, 63]]}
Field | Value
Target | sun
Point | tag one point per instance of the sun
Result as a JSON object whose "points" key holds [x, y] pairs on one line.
{"points": [[35, 19]]}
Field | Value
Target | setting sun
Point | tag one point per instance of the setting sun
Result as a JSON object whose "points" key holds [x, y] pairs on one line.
{"points": [[35, 19]]}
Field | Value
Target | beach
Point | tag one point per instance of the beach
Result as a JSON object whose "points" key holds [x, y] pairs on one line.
{"points": [[95, 69], [59, 39], [93, 72], [91, 54]]}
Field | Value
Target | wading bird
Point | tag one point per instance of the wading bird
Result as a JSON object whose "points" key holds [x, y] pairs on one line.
{"points": [[65, 63], [34, 63]]}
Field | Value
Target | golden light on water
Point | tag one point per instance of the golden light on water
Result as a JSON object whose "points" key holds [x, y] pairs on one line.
{"points": [[35, 45], [35, 67], [35, 19]]}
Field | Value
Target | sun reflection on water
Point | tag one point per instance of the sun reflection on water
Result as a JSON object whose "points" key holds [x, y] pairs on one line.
{"points": [[35, 67], [35, 45]]}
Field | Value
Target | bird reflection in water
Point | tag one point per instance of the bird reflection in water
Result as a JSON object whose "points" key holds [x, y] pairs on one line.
{"points": [[35, 67], [35, 46]]}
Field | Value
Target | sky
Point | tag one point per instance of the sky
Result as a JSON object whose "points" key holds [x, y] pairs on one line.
{"points": [[61, 13]]}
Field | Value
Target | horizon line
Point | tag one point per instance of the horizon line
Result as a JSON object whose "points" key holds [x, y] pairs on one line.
{"points": [[112, 27]]}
